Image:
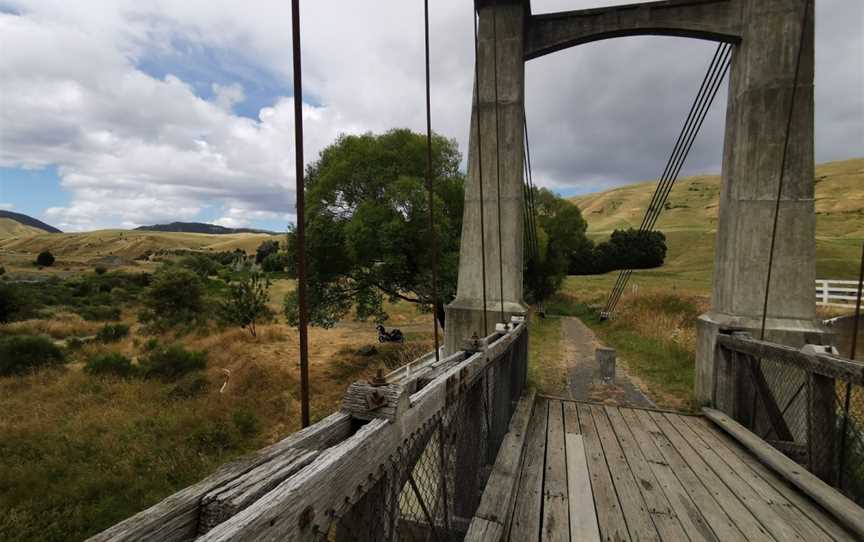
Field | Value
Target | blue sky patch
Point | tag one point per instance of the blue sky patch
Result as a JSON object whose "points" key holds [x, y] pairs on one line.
{"points": [[31, 191]]}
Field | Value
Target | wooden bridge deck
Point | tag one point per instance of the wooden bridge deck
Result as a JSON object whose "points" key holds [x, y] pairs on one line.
{"points": [[593, 472]]}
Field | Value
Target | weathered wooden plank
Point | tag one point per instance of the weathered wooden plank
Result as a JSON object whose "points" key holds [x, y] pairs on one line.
{"points": [[176, 517], [755, 474], [556, 525], [526, 516], [849, 514], [610, 518], [721, 524], [639, 522], [665, 520], [223, 502], [824, 364], [571, 418], [498, 498], [482, 530], [583, 515], [761, 509], [682, 504], [741, 516]]}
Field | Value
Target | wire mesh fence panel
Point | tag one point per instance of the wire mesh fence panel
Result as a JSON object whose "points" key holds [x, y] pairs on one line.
{"points": [[430, 487], [800, 405]]}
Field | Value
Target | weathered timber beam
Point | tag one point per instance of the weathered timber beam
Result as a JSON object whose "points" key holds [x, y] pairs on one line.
{"points": [[176, 518], [823, 364], [849, 514], [716, 20], [305, 504], [498, 498]]}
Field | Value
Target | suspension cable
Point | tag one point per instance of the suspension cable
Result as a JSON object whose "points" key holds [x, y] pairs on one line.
{"points": [[497, 155], [698, 111], [301, 215], [531, 204], [783, 167], [432, 233], [480, 167]]}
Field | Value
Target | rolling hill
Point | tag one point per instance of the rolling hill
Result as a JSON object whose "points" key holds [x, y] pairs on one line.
{"points": [[690, 219], [24, 223], [199, 227]]}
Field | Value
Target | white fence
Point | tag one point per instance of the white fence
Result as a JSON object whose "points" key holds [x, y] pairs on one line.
{"points": [[836, 293]]}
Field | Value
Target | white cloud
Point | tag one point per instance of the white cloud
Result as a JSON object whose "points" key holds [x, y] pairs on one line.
{"points": [[7, 206], [134, 149]]}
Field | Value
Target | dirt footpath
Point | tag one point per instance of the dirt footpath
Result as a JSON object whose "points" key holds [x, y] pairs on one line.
{"points": [[583, 379]]}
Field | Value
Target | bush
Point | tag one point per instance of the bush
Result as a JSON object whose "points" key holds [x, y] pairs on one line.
{"points": [[201, 265], [265, 249], [247, 302], [175, 298], [189, 386], [171, 362], [99, 313], [13, 305], [45, 259], [112, 333], [213, 437], [100, 269], [110, 364], [275, 262], [246, 423], [22, 353]]}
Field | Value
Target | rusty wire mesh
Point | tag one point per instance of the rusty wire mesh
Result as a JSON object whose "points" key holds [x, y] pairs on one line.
{"points": [[430, 487], [816, 421]]}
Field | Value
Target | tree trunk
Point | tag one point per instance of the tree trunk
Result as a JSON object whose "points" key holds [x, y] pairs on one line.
{"points": [[439, 313]]}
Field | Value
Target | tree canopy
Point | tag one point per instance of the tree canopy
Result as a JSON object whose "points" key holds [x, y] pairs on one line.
{"points": [[367, 225]]}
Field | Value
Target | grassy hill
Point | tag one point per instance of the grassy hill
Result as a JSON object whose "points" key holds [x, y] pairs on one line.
{"points": [[690, 220], [13, 228]]}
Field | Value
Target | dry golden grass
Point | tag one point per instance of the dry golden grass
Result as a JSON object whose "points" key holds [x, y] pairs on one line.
{"points": [[60, 326], [79, 453]]}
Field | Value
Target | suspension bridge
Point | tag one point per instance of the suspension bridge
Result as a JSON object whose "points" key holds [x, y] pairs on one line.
{"points": [[454, 446]]}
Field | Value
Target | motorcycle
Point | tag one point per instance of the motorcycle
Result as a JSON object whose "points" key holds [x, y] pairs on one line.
{"points": [[392, 336]]}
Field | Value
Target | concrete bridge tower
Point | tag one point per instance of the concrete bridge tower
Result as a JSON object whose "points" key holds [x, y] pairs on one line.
{"points": [[767, 34]]}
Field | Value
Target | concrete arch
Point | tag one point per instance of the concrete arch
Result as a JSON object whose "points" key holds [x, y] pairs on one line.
{"points": [[714, 20]]}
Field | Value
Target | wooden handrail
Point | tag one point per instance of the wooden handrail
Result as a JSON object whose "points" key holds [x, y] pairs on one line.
{"points": [[823, 364]]}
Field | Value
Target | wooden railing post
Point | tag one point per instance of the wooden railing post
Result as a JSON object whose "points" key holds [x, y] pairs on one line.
{"points": [[822, 426]]}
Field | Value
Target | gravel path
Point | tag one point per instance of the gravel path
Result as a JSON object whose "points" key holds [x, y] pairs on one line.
{"points": [[583, 378]]}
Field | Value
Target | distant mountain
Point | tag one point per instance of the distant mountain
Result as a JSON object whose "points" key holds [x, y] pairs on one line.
{"points": [[199, 227], [29, 221]]}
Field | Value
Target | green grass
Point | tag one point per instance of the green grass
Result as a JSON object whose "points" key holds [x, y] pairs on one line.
{"points": [[547, 372]]}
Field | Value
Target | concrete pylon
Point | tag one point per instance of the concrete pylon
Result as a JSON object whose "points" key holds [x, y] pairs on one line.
{"points": [[464, 316], [760, 93]]}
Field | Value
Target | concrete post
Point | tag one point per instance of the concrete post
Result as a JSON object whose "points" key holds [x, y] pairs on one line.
{"points": [[760, 93], [465, 313], [606, 364]]}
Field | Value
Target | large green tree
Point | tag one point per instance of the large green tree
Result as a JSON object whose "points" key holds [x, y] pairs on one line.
{"points": [[367, 226], [560, 238]]}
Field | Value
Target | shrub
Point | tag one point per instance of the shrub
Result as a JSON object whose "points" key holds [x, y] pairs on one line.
{"points": [[110, 364], [22, 353], [100, 269], [275, 262], [247, 302], [213, 437], [246, 423], [2, 270], [189, 386], [112, 333], [176, 297], [265, 249], [45, 259], [200, 264], [99, 313], [74, 343], [171, 362], [13, 305]]}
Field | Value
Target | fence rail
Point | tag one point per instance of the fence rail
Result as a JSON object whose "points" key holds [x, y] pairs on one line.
{"points": [[807, 403], [405, 459], [836, 293]]}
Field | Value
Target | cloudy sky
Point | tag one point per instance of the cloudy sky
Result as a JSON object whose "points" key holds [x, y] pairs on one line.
{"points": [[117, 113]]}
